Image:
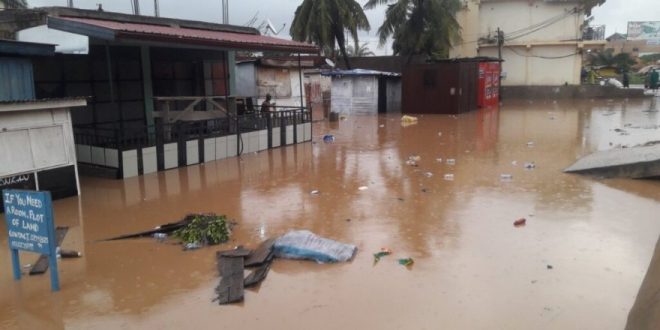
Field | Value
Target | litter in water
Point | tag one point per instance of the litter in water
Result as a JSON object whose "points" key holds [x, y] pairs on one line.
{"points": [[451, 161], [383, 252], [314, 192], [530, 166], [449, 177], [303, 244], [439, 160], [328, 138], [520, 222], [160, 236], [428, 174], [405, 119], [514, 163], [506, 177], [406, 262], [363, 188]]}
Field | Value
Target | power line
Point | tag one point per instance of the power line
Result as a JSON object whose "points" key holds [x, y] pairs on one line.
{"points": [[543, 57]]}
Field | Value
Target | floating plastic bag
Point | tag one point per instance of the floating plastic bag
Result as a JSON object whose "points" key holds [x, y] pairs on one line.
{"points": [[303, 244]]}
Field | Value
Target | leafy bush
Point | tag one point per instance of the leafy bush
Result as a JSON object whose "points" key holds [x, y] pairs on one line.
{"points": [[206, 229]]}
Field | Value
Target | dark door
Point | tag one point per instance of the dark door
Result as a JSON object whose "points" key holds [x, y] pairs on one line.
{"points": [[382, 95]]}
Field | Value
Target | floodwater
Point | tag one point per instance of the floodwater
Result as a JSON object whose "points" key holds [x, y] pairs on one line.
{"points": [[473, 269]]}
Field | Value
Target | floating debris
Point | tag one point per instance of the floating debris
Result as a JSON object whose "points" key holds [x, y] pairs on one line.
{"points": [[451, 161], [160, 236], [412, 160], [506, 177], [530, 144], [439, 133], [381, 126], [520, 222], [363, 188], [549, 267], [408, 119], [314, 192], [328, 138], [303, 244], [449, 177], [439, 160], [383, 252], [530, 166], [428, 174], [192, 246], [406, 262]]}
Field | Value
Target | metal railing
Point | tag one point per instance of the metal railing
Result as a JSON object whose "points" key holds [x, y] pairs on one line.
{"points": [[137, 137]]}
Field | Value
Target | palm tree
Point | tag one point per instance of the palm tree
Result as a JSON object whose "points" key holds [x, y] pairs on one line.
{"points": [[325, 22], [621, 62], [419, 26], [359, 50]]}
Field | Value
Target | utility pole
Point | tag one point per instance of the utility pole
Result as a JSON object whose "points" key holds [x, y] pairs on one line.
{"points": [[69, 3], [225, 11], [136, 7], [156, 9], [500, 43]]}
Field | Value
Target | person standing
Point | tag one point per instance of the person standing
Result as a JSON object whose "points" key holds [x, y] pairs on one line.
{"points": [[268, 105], [626, 79], [653, 83]]}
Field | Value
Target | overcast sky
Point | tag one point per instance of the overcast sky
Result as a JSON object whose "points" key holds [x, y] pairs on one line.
{"points": [[614, 13]]}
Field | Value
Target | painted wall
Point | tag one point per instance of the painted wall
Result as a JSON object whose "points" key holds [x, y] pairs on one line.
{"points": [[515, 15], [468, 18], [548, 56], [523, 66]]}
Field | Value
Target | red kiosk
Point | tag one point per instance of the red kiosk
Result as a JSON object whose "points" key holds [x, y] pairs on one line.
{"points": [[489, 84]]}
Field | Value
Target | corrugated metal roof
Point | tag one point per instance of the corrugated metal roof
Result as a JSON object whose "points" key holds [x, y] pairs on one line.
{"points": [[60, 99], [359, 72], [153, 32]]}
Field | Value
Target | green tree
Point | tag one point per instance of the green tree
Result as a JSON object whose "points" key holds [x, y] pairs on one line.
{"points": [[419, 26], [359, 50], [588, 5], [621, 62], [326, 22]]}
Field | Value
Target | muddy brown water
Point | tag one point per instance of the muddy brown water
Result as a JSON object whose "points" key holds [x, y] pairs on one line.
{"points": [[473, 269]]}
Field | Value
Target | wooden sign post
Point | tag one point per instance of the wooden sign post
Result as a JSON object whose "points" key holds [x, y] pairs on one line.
{"points": [[29, 216]]}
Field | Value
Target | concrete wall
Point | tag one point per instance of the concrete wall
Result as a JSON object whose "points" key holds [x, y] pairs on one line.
{"points": [[515, 15], [468, 18], [294, 81], [538, 66], [634, 47], [569, 92], [539, 58]]}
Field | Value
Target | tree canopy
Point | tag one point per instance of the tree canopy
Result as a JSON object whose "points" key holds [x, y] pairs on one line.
{"points": [[326, 22], [419, 26]]}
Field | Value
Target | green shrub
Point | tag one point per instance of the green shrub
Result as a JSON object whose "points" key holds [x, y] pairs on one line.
{"points": [[205, 229]]}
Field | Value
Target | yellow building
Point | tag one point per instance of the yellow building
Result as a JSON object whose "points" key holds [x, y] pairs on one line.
{"points": [[542, 40]]}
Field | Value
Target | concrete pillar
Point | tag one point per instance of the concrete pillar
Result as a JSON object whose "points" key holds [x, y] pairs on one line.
{"points": [[147, 87]]}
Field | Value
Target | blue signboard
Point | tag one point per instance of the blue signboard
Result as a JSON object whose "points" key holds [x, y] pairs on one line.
{"points": [[29, 217]]}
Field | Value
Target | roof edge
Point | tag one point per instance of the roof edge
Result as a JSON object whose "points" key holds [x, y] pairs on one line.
{"points": [[138, 19]]}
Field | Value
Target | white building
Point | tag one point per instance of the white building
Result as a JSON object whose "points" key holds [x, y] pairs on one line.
{"points": [[542, 39]]}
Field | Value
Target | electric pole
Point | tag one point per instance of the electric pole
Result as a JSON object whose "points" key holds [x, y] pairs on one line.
{"points": [[500, 43], [156, 9]]}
